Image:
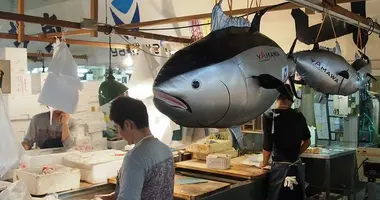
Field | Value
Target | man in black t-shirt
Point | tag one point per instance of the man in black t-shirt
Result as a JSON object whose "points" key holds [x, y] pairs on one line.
{"points": [[286, 137]]}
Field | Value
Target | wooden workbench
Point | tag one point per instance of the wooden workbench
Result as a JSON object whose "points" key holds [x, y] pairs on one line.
{"points": [[237, 169], [192, 191]]}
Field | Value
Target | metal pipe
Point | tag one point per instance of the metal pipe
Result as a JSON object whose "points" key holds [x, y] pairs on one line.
{"points": [[337, 12]]}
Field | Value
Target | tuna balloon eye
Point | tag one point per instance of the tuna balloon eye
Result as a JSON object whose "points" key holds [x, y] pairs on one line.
{"points": [[195, 84]]}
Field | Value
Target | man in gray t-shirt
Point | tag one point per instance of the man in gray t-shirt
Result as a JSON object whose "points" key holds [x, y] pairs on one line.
{"points": [[147, 172], [61, 133]]}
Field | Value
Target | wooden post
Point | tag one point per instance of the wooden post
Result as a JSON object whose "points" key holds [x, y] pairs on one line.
{"points": [[94, 15], [20, 30]]}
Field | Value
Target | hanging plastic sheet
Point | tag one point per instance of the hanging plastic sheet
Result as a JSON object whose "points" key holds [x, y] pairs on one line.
{"points": [[60, 90], [11, 150], [16, 191]]}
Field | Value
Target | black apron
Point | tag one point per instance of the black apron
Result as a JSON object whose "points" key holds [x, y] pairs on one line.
{"points": [[279, 171], [52, 143]]}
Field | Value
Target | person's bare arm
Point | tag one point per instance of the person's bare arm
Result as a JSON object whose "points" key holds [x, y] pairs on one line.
{"points": [[266, 157], [30, 137], [67, 137], [305, 144], [111, 196]]}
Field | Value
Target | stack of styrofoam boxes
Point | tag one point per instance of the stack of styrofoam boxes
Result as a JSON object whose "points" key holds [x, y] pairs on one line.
{"points": [[96, 167], [90, 117], [21, 103]]}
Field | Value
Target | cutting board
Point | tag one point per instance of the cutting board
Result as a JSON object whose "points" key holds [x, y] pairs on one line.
{"points": [[193, 190], [237, 169]]}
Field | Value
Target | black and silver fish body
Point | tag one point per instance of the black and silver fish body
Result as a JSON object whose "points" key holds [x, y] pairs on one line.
{"points": [[363, 66], [327, 72], [223, 80]]}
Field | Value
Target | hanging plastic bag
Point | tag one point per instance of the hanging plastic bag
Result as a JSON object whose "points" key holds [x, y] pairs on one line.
{"points": [[16, 191], [11, 150], [61, 89]]}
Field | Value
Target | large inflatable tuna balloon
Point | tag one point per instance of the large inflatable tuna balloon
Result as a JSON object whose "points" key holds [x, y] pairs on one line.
{"points": [[229, 77]]}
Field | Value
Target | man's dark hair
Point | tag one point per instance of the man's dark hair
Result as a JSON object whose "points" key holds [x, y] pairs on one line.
{"points": [[126, 108], [289, 90]]}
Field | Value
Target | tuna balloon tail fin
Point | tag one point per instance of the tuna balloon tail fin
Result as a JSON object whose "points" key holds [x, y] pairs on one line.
{"points": [[322, 98], [269, 82], [372, 77], [255, 25], [293, 87], [291, 51], [237, 138]]}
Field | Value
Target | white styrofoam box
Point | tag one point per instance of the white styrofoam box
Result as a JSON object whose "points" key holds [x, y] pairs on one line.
{"points": [[97, 126], [18, 58], [60, 179], [20, 135], [98, 166], [218, 161], [38, 81], [83, 102], [99, 144], [91, 85], [95, 117], [118, 145], [41, 157], [96, 135], [21, 107], [80, 131], [21, 84], [20, 125], [83, 144], [80, 117]]}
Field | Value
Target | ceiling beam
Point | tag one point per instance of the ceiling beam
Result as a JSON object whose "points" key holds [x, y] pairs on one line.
{"points": [[21, 27], [68, 41], [94, 15], [340, 14], [100, 28], [68, 33], [48, 55], [288, 6]]}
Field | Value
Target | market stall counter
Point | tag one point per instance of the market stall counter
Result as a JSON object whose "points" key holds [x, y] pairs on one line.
{"points": [[321, 164], [194, 180]]}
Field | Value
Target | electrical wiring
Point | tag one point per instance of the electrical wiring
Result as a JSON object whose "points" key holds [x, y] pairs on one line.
{"points": [[141, 48]]}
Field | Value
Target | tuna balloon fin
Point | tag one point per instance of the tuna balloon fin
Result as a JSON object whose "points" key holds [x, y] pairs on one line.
{"points": [[237, 137], [220, 20], [316, 46], [291, 51], [322, 98], [372, 77], [269, 82], [344, 74], [255, 25], [293, 88]]}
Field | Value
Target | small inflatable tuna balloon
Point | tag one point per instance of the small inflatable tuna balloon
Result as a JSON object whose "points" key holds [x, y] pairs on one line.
{"points": [[362, 65], [231, 76], [327, 72]]}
